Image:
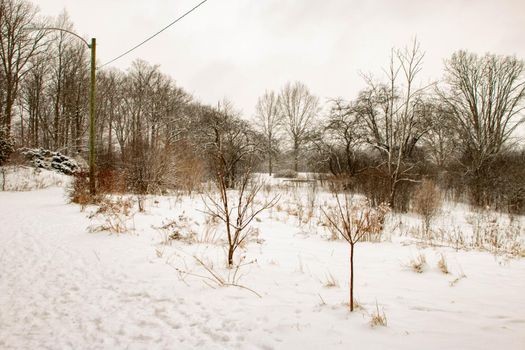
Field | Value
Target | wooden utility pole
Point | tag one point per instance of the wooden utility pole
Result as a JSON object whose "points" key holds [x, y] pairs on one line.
{"points": [[92, 95]]}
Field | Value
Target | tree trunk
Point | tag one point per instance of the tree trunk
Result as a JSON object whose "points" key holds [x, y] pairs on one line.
{"points": [[393, 190], [296, 156], [8, 111], [352, 277], [230, 255]]}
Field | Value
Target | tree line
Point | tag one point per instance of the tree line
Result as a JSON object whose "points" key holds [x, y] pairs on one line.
{"points": [[152, 135]]}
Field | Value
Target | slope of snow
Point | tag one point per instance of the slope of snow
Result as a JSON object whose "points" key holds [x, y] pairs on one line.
{"points": [[27, 178], [62, 287]]}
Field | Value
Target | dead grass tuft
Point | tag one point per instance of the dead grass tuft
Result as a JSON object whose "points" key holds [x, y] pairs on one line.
{"points": [[442, 264], [378, 318], [418, 263], [330, 281]]}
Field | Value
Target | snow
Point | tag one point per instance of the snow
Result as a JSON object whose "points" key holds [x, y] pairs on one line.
{"points": [[27, 178], [62, 287]]}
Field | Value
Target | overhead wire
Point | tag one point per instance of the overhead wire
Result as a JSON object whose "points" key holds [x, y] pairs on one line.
{"points": [[154, 35]]}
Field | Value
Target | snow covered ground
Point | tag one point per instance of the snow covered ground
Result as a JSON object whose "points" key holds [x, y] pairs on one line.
{"points": [[65, 285]]}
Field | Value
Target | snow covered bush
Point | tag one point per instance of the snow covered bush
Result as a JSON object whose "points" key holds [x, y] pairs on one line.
{"points": [[50, 160]]}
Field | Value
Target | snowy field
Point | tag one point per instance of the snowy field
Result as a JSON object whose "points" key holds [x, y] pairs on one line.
{"points": [[67, 282]]}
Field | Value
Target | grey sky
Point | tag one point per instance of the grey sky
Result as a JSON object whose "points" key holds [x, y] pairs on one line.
{"points": [[239, 48]]}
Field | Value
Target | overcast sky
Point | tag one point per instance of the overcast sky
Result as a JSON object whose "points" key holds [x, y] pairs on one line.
{"points": [[239, 48]]}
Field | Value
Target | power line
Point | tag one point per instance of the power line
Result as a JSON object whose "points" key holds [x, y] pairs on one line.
{"points": [[154, 35]]}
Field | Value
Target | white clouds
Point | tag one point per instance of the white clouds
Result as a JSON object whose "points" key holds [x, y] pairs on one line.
{"points": [[239, 48]]}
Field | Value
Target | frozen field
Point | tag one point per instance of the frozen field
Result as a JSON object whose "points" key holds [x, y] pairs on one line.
{"points": [[65, 285]]}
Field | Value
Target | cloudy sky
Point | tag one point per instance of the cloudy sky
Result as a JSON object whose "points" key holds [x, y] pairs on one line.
{"points": [[239, 48]]}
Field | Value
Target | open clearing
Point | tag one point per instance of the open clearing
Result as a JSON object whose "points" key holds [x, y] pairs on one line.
{"points": [[62, 287]]}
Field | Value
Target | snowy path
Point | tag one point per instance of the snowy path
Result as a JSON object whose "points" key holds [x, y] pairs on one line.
{"points": [[63, 288]]}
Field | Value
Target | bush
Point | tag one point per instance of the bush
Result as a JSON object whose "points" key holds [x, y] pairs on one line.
{"points": [[498, 184], [79, 189], [426, 203], [110, 181], [150, 169], [190, 169], [50, 160]]}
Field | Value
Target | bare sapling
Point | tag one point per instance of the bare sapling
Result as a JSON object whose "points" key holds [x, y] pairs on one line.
{"points": [[236, 208], [353, 221]]}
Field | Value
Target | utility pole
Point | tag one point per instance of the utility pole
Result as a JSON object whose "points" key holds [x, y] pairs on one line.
{"points": [[92, 95]]}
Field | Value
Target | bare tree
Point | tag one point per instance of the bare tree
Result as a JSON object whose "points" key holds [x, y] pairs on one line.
{"points": [[67, 88], [393, 116], [341, 139], [441, 140], [222, 131], [269, 121], [18, 44], [486, 96], [235, 208], [353, 221], [298, 108], [34, 102]]}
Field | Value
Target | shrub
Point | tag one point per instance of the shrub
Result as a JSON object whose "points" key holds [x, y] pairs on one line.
{"points": [[79, 189], [110, 181], [190, 168], [426, 203], [50, 160], [114, 215]]}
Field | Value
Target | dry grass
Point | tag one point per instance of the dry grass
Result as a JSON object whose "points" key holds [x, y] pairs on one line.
{"points": [[114, 215], [490, 232], [378, 318], [213, 278], [418, 263], [183, 229], [330, 281], [457, 279], [442, 265]]}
